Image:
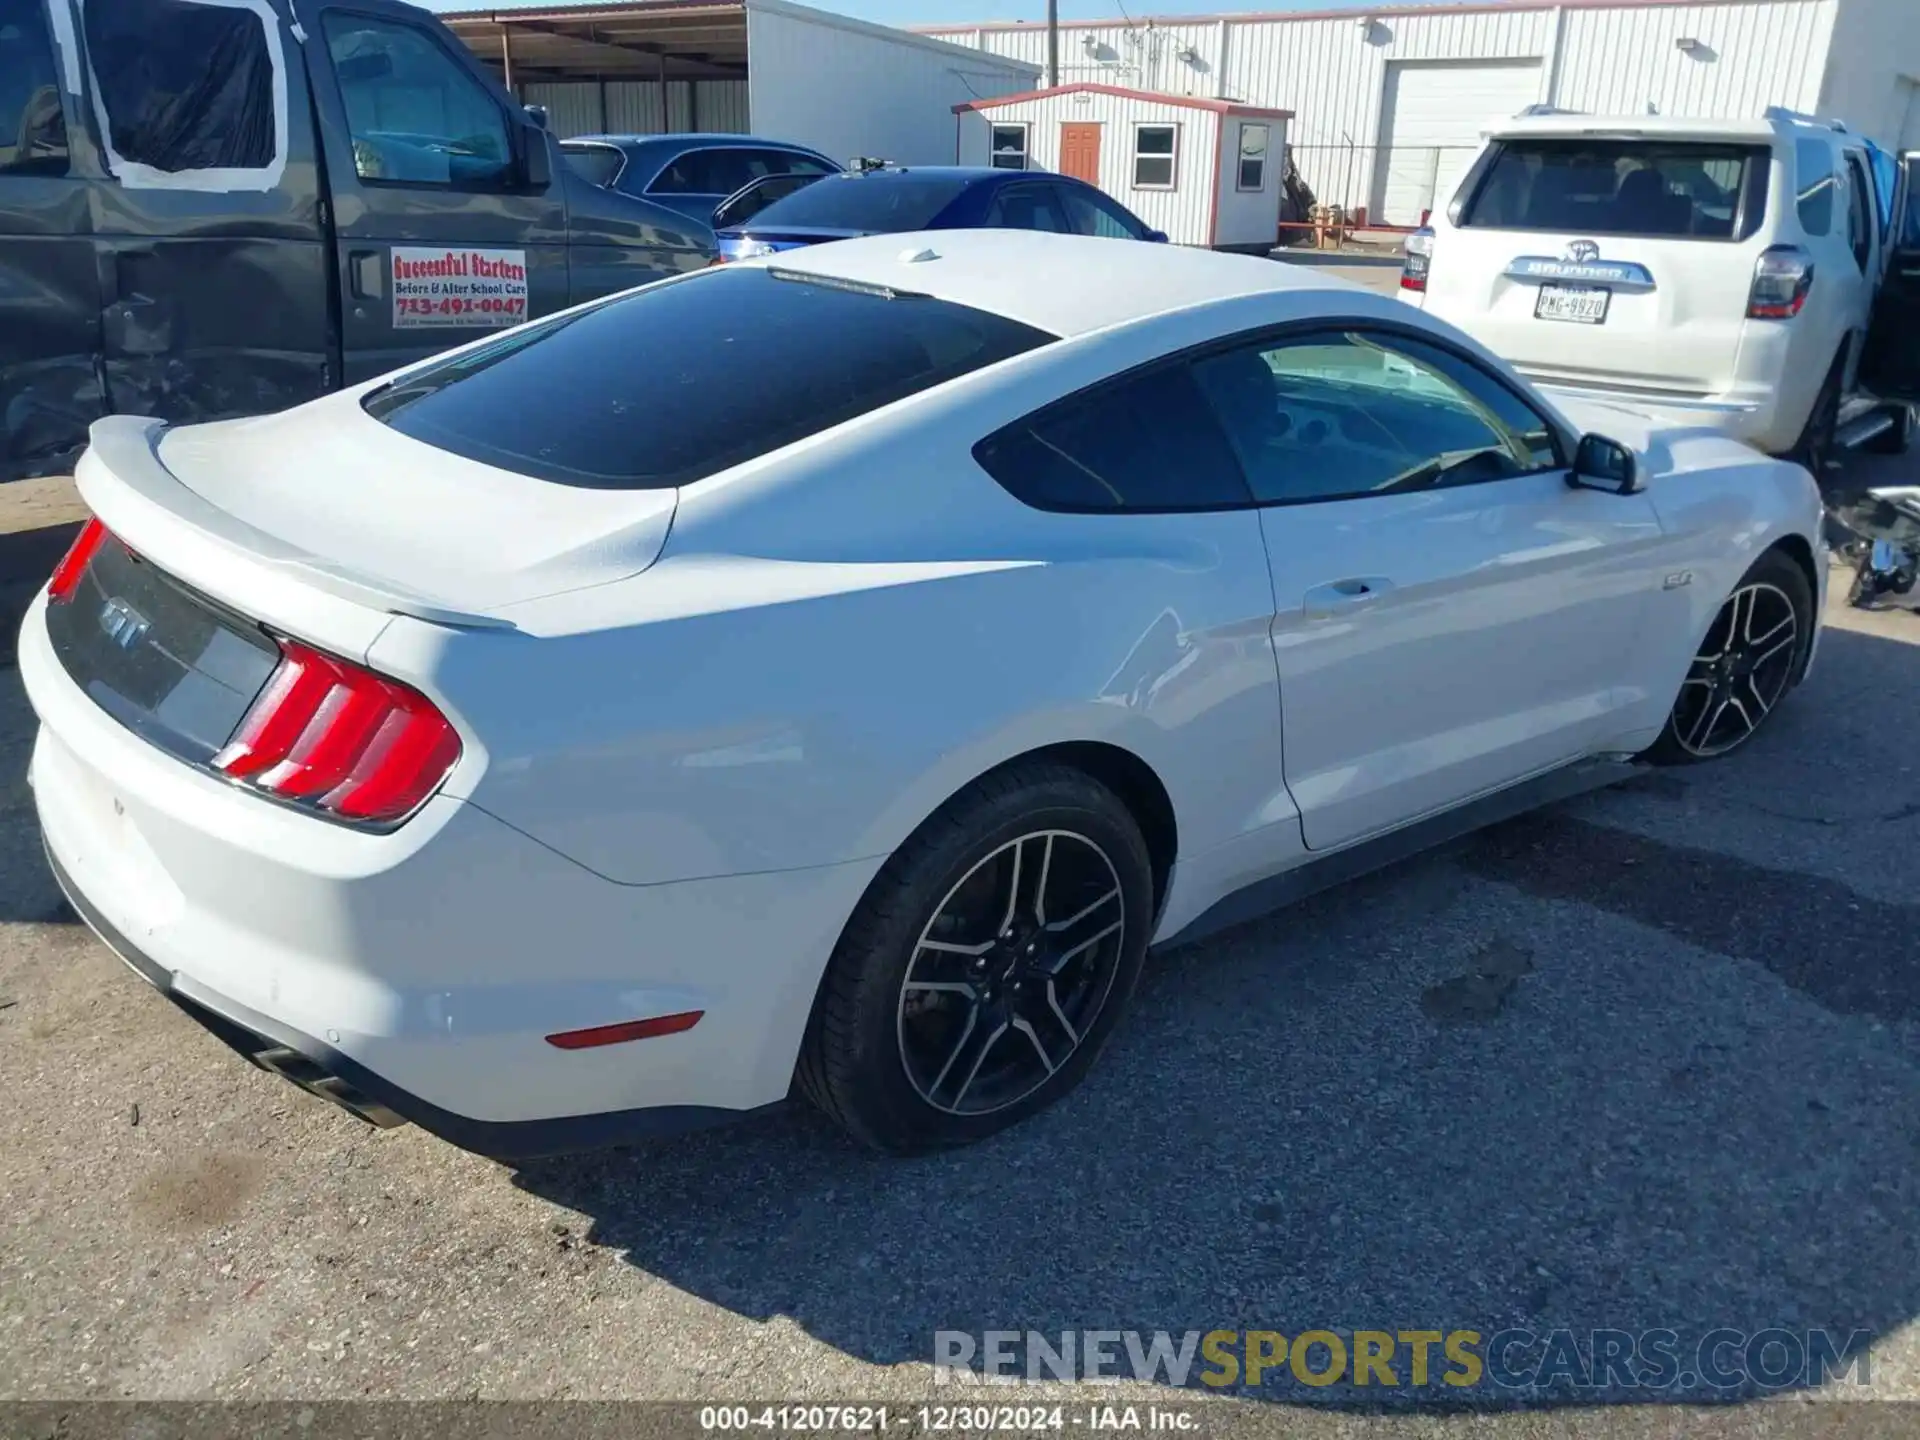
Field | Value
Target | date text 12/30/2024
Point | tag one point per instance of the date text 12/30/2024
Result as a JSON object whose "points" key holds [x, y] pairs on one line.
{"points": [[939, 1419], [466, 288]]}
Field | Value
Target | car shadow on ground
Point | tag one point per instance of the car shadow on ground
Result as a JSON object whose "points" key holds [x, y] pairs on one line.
{"points": [[1688, 1104]]}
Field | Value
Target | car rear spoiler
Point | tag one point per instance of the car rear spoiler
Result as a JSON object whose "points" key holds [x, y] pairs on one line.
{"points": [[124, 482]]}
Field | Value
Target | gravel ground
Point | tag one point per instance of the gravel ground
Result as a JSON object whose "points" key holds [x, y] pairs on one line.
{"points": [[1649, 1059]]}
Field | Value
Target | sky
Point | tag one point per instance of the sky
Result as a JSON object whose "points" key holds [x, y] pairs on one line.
{"points": [[971, 12]]}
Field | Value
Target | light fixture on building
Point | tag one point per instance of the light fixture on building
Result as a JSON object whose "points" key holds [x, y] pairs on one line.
{"points": [[1688, 45]]}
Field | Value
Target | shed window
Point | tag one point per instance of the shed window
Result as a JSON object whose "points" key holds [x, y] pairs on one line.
{"points": [[1153, 152], [1253, 157], [188, 86], [33, 131], [1009, 151]]}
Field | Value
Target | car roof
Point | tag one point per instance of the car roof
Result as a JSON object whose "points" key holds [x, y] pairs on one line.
{"points": [[642, 144], [1065, 284], [1652, 127]]}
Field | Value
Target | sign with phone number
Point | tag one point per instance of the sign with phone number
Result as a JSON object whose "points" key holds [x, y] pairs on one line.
{"points": [[457, 287]]}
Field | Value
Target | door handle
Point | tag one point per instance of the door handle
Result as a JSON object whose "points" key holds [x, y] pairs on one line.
{"points": [[1345, 597], [363, 274]]}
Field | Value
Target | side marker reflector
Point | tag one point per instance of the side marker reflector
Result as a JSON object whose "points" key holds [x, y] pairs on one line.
{"points": [[626, 1030]]}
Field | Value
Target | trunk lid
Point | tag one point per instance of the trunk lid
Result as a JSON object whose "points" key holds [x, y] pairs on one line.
{"points": [[367, 513], [1609, 262]]}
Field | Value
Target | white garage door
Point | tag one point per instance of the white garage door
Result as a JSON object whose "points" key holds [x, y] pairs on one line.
{"points": [[1430, 127]]}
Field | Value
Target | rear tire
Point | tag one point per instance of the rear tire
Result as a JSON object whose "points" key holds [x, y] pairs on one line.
{"points": [[986, 965], [1750, 658], [1815, 447]]}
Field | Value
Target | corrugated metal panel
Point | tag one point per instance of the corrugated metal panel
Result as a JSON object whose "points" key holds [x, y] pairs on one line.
{"points": [[633, 106], [1331, 71], [572, 108], [848, 89], [1186, 211], [723, 106], [1628, 61]]}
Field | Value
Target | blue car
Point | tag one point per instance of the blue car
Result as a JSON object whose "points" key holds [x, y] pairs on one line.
{"points": [[883, 200], [690, 174]]}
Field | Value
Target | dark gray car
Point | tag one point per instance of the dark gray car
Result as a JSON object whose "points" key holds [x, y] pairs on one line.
{"points": [[689, 173], [279, 201]]}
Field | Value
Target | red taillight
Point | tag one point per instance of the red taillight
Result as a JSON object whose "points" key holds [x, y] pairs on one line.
{"points": [[626, 1030], [331, 734], [1781, 282], [716, 260], [74, 564]]}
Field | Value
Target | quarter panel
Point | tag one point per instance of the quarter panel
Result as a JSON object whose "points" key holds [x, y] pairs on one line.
{"points": [[804, 713]]}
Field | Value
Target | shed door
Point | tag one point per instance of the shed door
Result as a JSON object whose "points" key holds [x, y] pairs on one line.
{"points": [[1080, 150], [1430, 128]]}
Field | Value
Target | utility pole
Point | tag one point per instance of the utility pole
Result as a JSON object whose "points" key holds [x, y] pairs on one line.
{"points": [[1053, 43]]}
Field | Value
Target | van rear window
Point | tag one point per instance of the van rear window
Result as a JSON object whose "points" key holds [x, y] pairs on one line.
{"points": [[673, 382], [1659, 189]]}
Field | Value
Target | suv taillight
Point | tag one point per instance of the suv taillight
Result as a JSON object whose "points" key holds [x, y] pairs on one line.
{"points": [[1413, 275], [326, 733], [1781, 282], [74, 564]]}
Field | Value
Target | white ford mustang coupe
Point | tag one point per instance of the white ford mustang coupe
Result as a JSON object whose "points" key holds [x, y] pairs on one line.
{"points": [[839, 669]]}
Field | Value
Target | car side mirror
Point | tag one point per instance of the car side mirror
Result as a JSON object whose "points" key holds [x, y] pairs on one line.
{"points": [[536, 116], [1603, 464], [1157, 237], [536, 167]]}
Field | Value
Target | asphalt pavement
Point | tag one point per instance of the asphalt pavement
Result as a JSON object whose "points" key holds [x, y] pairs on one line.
{"points": [[1647, 1060]]}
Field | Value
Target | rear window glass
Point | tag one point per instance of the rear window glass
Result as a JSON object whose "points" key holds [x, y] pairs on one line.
{"points": [[596, 164], [674, 382], [881, 203], [1659, 189]]}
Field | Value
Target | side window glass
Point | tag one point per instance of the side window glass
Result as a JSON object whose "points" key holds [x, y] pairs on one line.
{"points": [[1091, 213], [1907, 226], [417, 116], [715, 172], [1147, 442], [33, 131], [741, 207], [184, 86], [1859, 216], [1342, 416], [1026, 207], [596, 164], [1813, 184]]}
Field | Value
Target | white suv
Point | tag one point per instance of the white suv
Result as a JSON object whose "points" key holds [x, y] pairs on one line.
{"points": [[1720, 273]]}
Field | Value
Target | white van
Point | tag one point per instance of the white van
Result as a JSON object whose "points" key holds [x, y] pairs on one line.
{"points": [[1721, 273]]}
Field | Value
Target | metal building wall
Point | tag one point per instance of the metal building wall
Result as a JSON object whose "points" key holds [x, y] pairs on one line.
{"points": [[849, 88], [1331, 70], [632, 107]]}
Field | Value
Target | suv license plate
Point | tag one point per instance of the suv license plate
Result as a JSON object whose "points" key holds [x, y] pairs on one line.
{"points": [[1575, 304]]}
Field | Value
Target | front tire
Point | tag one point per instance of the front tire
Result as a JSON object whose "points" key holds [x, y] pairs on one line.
{"points": [[1751, 656], [986, 965]]}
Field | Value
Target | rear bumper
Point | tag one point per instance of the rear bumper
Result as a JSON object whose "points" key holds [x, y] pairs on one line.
{"points": [[420, 971], [319, 1069]]}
